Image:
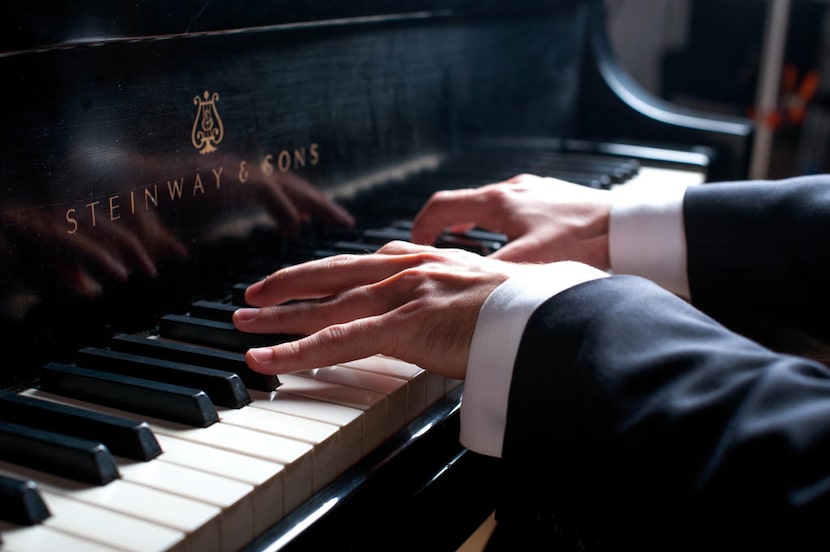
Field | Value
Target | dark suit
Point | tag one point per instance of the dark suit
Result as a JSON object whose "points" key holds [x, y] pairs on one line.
{"points": [[637, 421]]}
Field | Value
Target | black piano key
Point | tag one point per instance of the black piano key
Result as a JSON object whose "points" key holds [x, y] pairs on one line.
{"points": [[70, 457], [238, 294], [198, 355], [174, 403], [215, 334], [20, 502], [460, 241], [122, 436], [213, 310], [386, 234], [224, 388], [474, 233]]}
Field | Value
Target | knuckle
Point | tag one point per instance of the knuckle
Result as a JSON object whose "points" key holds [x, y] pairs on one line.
{"points": [[395, 246], [338, 261]]}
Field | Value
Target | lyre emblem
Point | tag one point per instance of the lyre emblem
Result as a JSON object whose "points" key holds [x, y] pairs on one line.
{"points": [[207, 126]]}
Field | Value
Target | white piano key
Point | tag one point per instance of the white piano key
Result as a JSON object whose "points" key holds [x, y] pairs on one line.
{"points": [[294, 456], [40, 538], [265, 476], [394, 389], [435, 385], [323, 437], [115, 529], [416, 378], [372, 404], [199, 521], [235, 499], [452, 383], [436, 388], [349, 420]]}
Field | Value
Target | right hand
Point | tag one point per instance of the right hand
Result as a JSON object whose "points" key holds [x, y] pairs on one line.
{"points": [[545, 219], [416, 303]]}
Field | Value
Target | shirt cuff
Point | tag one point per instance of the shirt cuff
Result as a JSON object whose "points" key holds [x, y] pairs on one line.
{"points": [[495, 344], [647, 237]]}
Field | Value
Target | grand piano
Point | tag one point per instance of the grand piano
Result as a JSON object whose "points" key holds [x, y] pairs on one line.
{"points": [[158, 156]]}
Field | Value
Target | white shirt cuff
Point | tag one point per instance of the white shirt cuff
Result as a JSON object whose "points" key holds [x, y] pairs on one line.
{"points": [[495, 345], [647, 237]]}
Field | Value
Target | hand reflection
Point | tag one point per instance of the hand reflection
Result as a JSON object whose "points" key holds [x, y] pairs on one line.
{"points": [[114, 235], [292, 201], [87, 260]]}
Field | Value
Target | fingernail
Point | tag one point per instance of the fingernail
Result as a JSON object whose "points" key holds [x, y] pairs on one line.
{"points": [[246, 314], [263, 355]]}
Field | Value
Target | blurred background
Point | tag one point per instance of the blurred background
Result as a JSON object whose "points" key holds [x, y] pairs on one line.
{"points": [[710, 54]]}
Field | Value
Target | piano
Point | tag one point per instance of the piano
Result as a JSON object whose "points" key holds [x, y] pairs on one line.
{"points": [[156, 157]]}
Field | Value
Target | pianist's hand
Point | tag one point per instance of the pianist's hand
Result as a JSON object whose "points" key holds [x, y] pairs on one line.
{"points": [[545, 219], [411, 302]]}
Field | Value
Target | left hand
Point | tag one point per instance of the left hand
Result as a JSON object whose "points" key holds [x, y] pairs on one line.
{"points": [[416, 303], [545, 219]]}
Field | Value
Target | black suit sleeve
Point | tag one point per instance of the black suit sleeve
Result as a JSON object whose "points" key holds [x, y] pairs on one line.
{"points": [[759, 259], [639, 416]]}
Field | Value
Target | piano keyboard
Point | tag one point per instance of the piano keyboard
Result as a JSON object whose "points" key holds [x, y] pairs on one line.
{"points": [[196, 452]]}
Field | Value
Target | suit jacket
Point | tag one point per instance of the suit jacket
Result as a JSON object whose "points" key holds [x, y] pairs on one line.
{"points": [[638, 420]]}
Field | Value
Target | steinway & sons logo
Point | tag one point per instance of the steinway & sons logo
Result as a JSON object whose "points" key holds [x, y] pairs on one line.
{"points": [[207, 126], [206, 134]]}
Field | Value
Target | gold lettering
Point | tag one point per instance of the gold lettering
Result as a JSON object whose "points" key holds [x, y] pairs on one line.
{"points": [[197, 185], [91, 207], [218, 174], [243, 171], [266, 166], [299, 158], [114, 206], [151, 197], [175, 188], [314, 150], [72, 221], [284, 161]]}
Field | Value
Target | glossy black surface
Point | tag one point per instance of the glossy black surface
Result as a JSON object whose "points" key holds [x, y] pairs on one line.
{"points": [[56, 453], [125, 437], [20, 502], [112, 211]]}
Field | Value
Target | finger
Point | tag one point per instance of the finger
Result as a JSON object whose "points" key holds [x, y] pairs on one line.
{"points": [[324, 277], [520, 250], [331, 345], [398, 247], [449, 208], [306, 317]]}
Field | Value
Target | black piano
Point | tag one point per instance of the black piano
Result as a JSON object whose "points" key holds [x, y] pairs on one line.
{"points": [[155, 157]]}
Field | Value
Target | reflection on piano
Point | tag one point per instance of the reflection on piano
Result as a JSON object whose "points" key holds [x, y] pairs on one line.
{"points": [[156, 160]]}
